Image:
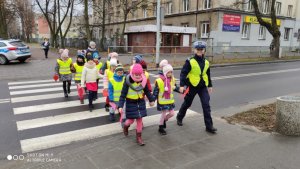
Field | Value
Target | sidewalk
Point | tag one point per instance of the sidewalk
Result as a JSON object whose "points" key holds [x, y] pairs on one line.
{"points": [[185, 147]]}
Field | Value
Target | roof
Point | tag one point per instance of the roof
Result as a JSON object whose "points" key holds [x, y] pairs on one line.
{"points": [[166, 29]]}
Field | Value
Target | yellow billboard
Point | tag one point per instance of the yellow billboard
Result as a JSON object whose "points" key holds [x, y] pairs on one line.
{"points": [[253, 19]]}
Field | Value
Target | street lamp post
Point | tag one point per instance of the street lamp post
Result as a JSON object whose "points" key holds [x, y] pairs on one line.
{"points": [[157, 32]]}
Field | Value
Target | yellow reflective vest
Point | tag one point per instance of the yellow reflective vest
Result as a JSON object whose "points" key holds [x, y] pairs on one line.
{"points": [[161, 86], [147, 74], [78, 70], [195, 74], [99, 66], [117, 86], [64, 66], [109, 73], [134, 95]]}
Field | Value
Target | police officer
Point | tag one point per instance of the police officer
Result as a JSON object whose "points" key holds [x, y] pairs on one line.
{"points": [[195, 74]]}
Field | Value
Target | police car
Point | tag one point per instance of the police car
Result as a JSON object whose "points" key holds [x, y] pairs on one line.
{"points": [[13, 50]]}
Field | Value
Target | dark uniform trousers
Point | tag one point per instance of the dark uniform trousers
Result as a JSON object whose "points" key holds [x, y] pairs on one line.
{"points": [[204, 97]]}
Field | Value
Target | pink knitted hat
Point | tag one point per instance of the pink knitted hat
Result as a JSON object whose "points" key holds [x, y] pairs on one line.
{"points": [[137, 69]]}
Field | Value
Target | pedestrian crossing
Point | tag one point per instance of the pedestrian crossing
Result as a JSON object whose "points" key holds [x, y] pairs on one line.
{"points": [[45, 119]]}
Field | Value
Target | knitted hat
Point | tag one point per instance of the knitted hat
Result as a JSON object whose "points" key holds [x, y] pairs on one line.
{"points": [[80, 53], [163, 63], [113, 62], [96, 55], [65, 53], [166, 69], [137, 69], [119, 68], [114, 55], [143, 64], [138, 58], [92, 43]]}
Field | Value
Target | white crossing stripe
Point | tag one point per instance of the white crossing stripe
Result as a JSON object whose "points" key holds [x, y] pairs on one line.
{"points": [[43, 97], [34, 81], [40, 85], [4, 101], [52, 106], [50, 141], [59, 119], [30, 82], [20, 92]]}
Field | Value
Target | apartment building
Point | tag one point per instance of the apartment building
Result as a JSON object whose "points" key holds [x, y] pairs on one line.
{"points": [[219, 22]]}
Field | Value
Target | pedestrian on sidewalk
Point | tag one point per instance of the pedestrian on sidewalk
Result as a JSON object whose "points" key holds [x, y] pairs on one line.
{"points": [[195, 74], [89, 80], [46, 46], [63, 70], [77, 69], [163, 92], [115, 85], [132, 96]]}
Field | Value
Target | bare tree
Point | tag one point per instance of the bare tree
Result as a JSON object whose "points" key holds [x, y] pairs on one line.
{"points": [[128, 6], [272, 26], [24, 10], [86, 20], [6, 15], [55, 13]]}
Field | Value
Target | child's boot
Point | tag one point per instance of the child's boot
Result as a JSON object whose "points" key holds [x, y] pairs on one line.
{"points": [[125, 130], [139, 139], [161, 130], [165, 124]]}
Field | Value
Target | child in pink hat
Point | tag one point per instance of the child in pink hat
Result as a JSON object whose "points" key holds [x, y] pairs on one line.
{"points": [[132, 96]]}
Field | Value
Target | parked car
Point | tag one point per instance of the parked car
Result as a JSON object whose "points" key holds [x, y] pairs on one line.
{"points": [[13, 50]]}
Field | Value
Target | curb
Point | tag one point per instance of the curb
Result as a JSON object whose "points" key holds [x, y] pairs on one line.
{"points": [[237, 64]]}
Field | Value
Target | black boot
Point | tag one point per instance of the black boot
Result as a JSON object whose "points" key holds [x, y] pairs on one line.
{"points": [[179, 122], [69, 89], [165, 124], [66, 95], [211, 130], [91, 107], [161, 130]]}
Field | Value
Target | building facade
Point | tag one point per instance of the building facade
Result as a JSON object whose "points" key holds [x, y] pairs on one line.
{"points": [[219, 22]]}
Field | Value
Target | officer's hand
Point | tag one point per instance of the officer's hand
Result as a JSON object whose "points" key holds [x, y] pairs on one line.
{"points": [[181, 89], [210, 90]]}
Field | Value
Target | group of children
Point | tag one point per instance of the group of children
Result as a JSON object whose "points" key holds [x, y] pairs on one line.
{"points": [[129, 90]]}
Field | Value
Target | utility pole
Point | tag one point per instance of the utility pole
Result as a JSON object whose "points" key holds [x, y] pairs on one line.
{"points": [[158, 27]]}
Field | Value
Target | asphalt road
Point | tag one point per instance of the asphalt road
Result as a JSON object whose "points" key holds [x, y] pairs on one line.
{"points": [[31, 118]]}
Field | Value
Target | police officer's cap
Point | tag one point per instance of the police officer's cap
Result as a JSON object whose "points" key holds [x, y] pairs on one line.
{"points": [[199, 45]]}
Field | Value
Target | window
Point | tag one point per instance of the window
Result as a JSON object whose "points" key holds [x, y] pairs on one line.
{"points": [[2, 44], [133, 14], [298, 38], [154, 9], [246, 31], [265, 6], [278, 8], [290, 10], [287, 33], [248, 5], [118, 16], [185, 24], [169, 7], [206, 4], [145, 12], [262, 33], [205, 29], [176, 40], [185, 5]]}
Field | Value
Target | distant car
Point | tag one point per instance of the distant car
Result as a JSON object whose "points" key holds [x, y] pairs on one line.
{"points": [[13, 50]]}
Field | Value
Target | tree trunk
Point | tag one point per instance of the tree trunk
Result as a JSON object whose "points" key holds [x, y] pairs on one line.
{"points": [[86, 19], [275, 52], [103, 25]]}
